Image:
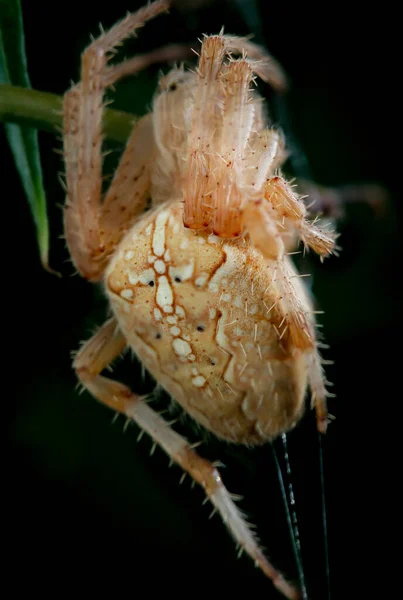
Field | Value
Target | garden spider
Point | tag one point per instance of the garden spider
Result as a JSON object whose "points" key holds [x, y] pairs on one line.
{"points": [[201, 286]]}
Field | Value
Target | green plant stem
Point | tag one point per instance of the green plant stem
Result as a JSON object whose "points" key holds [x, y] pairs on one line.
{"points": [[43, 111]]}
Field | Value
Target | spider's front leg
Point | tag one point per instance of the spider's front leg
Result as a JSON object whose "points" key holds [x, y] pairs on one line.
{"points": [[94, 228], [93, 358], [225, 121]]}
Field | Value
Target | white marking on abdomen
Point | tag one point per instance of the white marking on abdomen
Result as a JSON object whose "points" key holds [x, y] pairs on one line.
{"points": [[181, 347], [159, 233], [127, 294], [184, 272], [144, 277], [159, 266], [164, 294]]}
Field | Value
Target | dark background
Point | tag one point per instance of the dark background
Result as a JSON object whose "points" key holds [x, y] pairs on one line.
{"points": [[90, 507]]}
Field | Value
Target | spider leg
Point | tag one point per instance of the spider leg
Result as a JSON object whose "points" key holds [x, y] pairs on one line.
{"points": [[235, 130], [265, 66], [170, 53], [225, 120], [130, 188], [288, 205], [292, 303], [260, 225], [204, 122], [83, 110], [93, 357], [298, 320]]}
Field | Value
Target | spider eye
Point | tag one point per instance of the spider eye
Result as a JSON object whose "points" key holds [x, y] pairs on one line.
{"points": [[177, 279], [151, 283], [200, 328], [172, 87]]}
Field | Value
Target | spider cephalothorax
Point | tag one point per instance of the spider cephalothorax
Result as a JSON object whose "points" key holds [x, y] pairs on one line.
{"points": [[201, 286]]}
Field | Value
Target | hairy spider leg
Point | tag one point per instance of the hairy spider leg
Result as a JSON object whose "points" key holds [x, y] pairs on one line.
{"points": [[94, 356], [91, 233]]}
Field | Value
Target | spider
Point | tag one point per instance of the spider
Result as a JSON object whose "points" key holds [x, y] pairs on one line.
{"points": [[200, 283]]}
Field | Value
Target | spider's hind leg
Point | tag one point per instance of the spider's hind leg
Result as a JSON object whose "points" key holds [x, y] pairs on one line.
{"points": [[93, 358]]}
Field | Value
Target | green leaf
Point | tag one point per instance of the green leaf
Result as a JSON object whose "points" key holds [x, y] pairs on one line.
{"points": [[43, 111], [23, 140]]}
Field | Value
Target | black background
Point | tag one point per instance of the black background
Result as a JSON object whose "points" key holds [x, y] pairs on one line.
{"points": [[90, 507]]}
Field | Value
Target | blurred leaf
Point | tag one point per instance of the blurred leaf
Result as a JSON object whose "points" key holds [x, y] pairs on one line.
{"points": [[23, 140]]}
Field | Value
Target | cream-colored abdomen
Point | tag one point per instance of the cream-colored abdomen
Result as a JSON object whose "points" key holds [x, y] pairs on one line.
{"points": [[199, 314]]}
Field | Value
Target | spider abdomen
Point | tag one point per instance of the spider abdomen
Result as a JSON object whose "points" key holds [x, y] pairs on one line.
{"points": [[203, 315]]}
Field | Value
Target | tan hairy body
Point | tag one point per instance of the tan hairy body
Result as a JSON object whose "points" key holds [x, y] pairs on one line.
{"points": [[201, 286]]}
